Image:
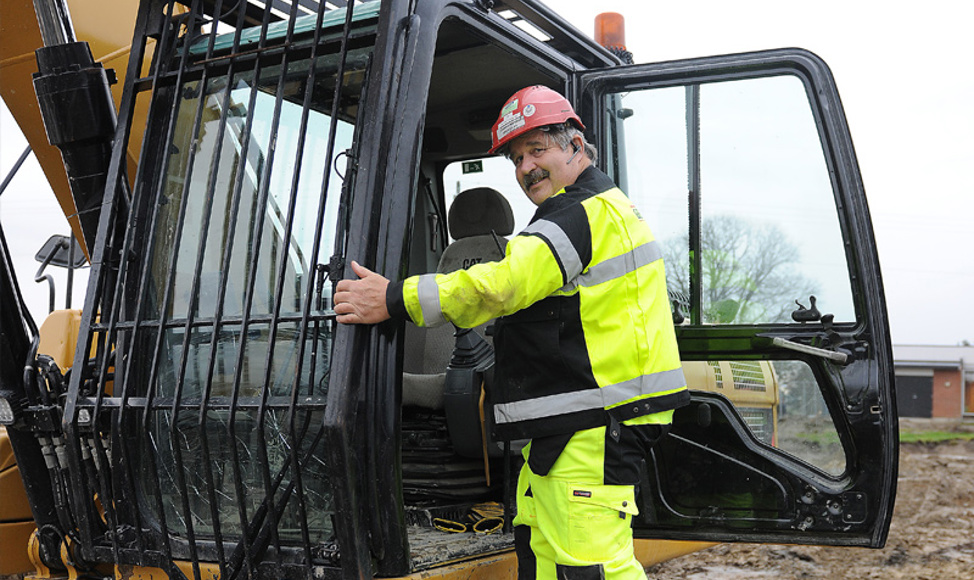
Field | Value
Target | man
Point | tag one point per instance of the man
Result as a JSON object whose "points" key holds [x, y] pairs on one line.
{"points": [[587, 365]]}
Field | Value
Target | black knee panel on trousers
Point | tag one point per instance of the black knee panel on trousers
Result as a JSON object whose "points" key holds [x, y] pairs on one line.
{"points": [[527, 564], [594, 572]]}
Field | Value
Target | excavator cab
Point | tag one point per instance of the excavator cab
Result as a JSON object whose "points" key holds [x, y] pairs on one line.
{"points": [[216, 421]]}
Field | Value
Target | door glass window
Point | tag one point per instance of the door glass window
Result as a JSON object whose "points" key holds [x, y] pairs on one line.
{"points": [[778, 402], [732, 179], [804, 426], [746, 154]]}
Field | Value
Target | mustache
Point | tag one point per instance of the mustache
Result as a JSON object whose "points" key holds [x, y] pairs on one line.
{"points": [[534, 177]]}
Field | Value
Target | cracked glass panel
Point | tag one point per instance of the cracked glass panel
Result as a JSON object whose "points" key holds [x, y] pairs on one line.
{"points": [[236, 335]]}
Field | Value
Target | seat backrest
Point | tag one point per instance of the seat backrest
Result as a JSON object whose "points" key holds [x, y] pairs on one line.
{"points": [[477, 220]]}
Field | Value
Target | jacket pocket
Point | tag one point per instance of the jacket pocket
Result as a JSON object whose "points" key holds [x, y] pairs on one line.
{"points": [[528, 353]]}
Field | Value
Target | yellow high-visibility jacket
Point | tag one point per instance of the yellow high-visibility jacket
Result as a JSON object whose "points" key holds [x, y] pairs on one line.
{"points": [[585, 335]]}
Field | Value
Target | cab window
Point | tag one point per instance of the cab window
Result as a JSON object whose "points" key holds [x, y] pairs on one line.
{"points": [[769, 233]]}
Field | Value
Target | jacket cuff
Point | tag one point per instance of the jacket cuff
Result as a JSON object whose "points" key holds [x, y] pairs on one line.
{"points": [[395, 303]]}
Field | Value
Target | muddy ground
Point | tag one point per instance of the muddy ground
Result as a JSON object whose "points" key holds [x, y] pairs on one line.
{"points": [[931, 535]]}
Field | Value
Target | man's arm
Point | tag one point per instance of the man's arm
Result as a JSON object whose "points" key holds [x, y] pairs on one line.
{"points": [[531, 270], [362, 301]]}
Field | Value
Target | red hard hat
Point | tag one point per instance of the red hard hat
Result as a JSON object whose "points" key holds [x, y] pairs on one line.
{"points": [[528, 109]]}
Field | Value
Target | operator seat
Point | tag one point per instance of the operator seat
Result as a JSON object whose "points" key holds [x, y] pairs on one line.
{"points": [[478, 220]]}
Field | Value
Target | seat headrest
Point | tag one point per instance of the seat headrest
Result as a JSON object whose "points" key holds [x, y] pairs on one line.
{"points": [[479, 210]]}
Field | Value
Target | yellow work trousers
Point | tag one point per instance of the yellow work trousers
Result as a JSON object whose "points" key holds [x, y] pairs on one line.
{"points": [[570, 525]]}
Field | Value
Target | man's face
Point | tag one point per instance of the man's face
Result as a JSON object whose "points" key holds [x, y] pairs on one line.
{"points": [[542, 167]]}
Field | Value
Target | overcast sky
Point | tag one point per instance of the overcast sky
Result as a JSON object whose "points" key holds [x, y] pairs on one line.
{"points": [[903, 76], [903, 73]]}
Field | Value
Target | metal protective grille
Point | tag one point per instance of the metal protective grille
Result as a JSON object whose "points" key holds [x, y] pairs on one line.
{"points": [[194, 431], [718, 373], [760, 422], [748, 375]]}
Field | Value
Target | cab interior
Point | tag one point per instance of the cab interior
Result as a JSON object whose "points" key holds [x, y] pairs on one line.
{"points": [[461, 215]]}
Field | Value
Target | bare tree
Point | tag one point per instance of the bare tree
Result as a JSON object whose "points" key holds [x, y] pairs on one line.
{"points": [[748, 272]]}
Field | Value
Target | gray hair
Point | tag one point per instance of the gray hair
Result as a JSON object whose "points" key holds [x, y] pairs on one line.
{"points": [[562, 134]]}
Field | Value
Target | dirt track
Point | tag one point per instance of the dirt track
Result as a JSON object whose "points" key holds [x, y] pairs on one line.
{"points": [[931, 536]]}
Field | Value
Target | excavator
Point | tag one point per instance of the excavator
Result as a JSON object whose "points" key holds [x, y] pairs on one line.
{"points": [[221, 162]]}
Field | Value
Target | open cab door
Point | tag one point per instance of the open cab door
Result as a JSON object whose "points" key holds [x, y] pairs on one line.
{"points": [[744, 168]]}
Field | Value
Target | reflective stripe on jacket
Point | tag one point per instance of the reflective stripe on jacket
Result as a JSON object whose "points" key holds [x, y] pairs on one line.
{"points": [[584, 329]]}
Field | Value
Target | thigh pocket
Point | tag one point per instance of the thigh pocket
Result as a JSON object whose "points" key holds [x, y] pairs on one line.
{"points": [[599, 521]]}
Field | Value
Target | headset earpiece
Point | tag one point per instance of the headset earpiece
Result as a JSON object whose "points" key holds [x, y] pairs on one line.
{"points": [[575, 150]]}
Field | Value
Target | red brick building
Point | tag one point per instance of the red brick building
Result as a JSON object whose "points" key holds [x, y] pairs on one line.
{"points": [[934, 381]]}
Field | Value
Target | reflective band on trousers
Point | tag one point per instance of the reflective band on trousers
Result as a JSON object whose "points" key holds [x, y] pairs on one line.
{"points": [[617, 267], [428, 293], [588, 399], [561, 245]]}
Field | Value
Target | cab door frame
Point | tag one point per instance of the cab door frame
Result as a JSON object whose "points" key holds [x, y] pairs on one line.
{"points": [[858, 392]]}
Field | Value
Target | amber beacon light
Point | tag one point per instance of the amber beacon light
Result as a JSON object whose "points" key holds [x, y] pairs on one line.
{"points": [[610, 30]]}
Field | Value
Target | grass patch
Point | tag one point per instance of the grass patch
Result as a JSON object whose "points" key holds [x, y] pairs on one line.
{"points": [[818, 437], [934, 436]]}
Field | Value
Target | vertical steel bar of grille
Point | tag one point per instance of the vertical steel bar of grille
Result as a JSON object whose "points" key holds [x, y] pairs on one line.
{"points": [[210, 480], [125, 384], [693, 177], [243, 548], [177, 405], [207, 464], [228, 250], [96, 301], [296, 481], [149, 411], [160, 327], [167, 295], [152, 379], [342, 441], [285, 247], [256, 550], [268, 527], [316, 244], [204, 406], [296, 438], [293, 456]]}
